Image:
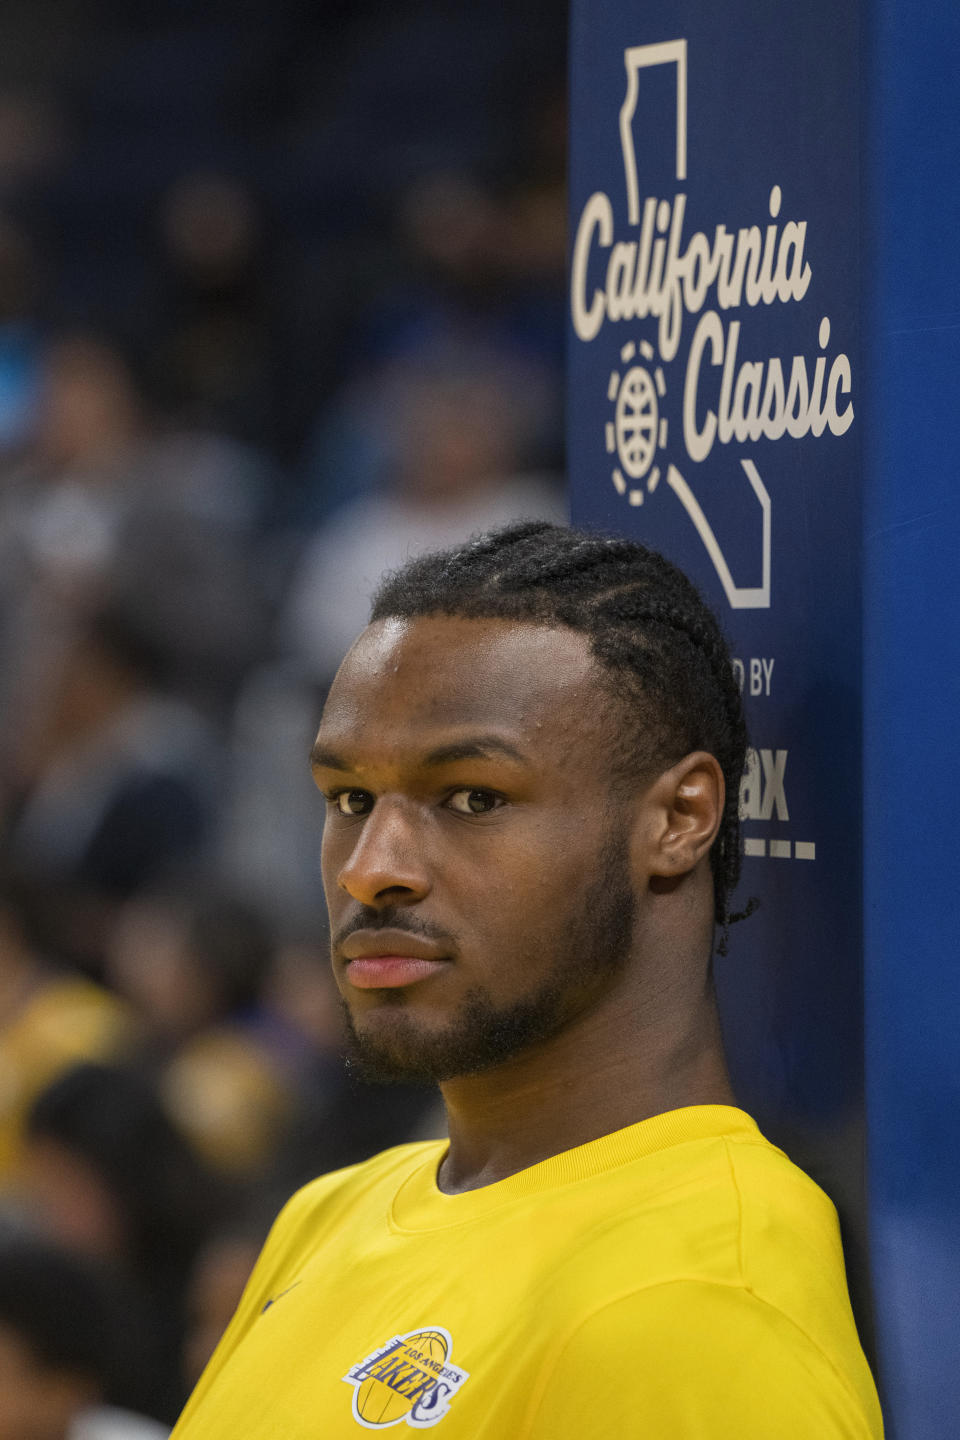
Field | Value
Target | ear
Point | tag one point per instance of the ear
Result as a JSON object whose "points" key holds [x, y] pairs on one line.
{"points": [[682, 812]]}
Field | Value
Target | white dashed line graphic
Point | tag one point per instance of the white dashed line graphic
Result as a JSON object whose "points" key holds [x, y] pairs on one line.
{"points": [[757, 849]]}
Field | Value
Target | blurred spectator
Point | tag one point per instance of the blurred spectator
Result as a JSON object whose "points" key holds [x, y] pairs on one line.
{"points": [[475, 284], [488, 255], [97, 442], [63, 503], [20, 359], [300, 989], [222, 1270], [211, 234], [106, 1174], [104, 500], [32, 141], [50, 1017], [193, 966], [215, 362], [197, 593], [60, 1341], [455, 427], [186, 958], [269, 842], [109, 782]]}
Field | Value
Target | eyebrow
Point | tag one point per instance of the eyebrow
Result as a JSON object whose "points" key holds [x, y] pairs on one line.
{"points": [[481, 747], [322, 759]]}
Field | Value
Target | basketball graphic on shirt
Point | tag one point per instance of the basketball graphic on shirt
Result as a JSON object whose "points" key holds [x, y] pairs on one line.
{"points": [[409, 1378], [377, 1403]]}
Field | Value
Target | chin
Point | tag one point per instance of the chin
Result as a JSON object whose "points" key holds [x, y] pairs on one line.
{"points": [[387, 1044], [387, 1047]]}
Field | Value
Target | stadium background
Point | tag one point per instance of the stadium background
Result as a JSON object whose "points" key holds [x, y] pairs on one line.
{"points": [[281, 296]]}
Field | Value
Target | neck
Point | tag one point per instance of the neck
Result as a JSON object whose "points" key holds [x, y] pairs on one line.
{"points": [[613, 1066]]}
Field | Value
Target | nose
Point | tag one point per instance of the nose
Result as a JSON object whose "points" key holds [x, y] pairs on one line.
{"points": [[386, 865]]}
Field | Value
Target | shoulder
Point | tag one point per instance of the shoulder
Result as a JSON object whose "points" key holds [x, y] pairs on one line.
{"points": [[759, 1169], [725, 1293], [782, 1241], [724, 1207], [790, 1251], [743, 1213], [698, 1358]]}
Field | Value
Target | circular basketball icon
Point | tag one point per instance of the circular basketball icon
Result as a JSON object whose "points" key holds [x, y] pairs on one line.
{"points": [[636, 422], [637, 430], [376, 1402]]}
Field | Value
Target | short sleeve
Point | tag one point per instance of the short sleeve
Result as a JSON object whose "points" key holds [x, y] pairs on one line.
{"points": [[691, 1360], [269, 1275]]}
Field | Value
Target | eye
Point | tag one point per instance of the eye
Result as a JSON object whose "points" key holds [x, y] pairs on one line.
{"points": [[474, 802], [353, 802]]}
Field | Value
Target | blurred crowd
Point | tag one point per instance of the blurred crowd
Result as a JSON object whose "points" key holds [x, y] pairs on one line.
{"points": [[281, 304]]}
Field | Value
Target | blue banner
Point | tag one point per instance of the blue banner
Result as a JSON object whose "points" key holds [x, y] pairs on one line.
{"points": [[714, 372], [785, 425]]}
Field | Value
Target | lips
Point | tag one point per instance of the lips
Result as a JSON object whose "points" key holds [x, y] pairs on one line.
{"points": [[388, 959], [386, 972]]}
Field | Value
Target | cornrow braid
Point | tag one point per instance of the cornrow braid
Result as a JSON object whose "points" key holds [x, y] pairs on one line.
{"points": [[704, 634], [652, 634]]}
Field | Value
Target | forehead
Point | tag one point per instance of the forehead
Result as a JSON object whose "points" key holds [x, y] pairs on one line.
{"points": [[405, 680]]}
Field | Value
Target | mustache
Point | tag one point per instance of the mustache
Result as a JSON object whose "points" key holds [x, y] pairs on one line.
{"points": [[393, 917]]}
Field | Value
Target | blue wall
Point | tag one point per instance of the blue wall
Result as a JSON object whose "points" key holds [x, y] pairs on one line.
{"points": [[765, 517], [827, 542], [911, 444]]}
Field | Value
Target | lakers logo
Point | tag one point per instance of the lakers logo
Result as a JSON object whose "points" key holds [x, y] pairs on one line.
{"points": [[410, 1378]]}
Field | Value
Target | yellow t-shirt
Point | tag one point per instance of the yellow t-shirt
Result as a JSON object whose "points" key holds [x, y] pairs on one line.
{"points": [[676, 1279]]}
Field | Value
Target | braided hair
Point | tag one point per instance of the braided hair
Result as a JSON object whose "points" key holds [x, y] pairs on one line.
{"points": [[648, 627]]}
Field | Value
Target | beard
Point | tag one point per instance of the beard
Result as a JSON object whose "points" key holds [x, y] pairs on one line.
{"points": [[594, 948]]}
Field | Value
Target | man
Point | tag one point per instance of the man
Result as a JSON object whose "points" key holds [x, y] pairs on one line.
{"points": [[531, 761]]}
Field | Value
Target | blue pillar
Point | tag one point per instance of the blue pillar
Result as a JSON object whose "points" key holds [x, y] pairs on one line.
{"points": [[764, 383], [911, 486]]}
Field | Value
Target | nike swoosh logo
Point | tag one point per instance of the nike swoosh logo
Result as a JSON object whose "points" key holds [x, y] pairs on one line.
{"points": [[274, 1298]]}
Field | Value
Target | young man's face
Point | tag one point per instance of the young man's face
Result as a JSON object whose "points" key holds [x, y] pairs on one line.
{"points": [[475, 854]]}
